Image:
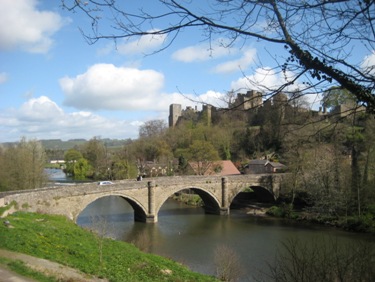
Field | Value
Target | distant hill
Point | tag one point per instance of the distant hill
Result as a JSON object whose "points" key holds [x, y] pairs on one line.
{"points": [[58, 144], [66, 145]]}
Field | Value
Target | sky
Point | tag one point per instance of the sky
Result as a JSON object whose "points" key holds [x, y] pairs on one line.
{"points": [[54, 85]]}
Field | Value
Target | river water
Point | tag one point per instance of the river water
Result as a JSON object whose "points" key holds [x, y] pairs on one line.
{"points": [[188, 235]]}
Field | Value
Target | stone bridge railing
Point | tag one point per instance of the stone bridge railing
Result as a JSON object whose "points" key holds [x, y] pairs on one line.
{"points": [[146, 197]]}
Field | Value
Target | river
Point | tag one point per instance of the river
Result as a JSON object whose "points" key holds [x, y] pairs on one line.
{"points": [[188, 235]]}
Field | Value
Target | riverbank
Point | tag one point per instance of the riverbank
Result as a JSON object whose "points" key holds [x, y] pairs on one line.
{"points": [[360, 224], [56, 239]]}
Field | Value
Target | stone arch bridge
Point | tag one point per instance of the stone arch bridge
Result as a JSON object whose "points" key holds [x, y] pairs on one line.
{"points": [[146, 197]]}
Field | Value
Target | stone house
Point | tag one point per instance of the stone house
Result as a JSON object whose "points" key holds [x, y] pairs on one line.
{"points": [[153, 169], [264, 166]]}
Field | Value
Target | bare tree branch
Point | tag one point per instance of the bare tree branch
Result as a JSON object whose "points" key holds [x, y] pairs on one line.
{"points": [[322, 36]]}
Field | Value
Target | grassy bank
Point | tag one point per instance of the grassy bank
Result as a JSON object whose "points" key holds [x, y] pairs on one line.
{"points": [[57, 239]]}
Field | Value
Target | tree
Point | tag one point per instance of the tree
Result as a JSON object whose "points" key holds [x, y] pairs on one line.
{"points": [[95, 152], [335, 96], [71, 157], [81, 169], [228, 264], [203, 153], [322, 259], [123, 169], [320, 38], [23, 166], [152, 128]]}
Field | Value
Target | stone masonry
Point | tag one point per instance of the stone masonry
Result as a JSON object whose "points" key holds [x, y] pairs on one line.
{"points": [[146, 197]]}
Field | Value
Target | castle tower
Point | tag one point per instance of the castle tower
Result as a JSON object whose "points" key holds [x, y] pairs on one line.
{"points": [[254, 98], [280, 101], [174, 114], [207, 109]]}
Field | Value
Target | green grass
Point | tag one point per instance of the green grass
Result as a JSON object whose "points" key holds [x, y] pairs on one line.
{"points": [[57, 239]]}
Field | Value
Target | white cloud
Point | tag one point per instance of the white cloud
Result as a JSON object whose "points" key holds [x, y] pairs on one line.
{"points": [[193, 100], [105, 86], [213, 98], [146, 43], [3, 77], [23, 26], [242, 63], [203, 52], [41, 118], [39, 109], [262, 79], [368, 64]]}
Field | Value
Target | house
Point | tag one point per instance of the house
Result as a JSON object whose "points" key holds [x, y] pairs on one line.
{"points": [[219, 168], [264, 166], [153, 169]]}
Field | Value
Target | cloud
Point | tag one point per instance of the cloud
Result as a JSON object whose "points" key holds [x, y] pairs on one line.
{"points": [[3, 77], [240, 64], [217, 49], [146, 43], [39, 109], [266, 80], [107, 87], [41, 118], [203, 52], [368, 64], [23, 26], [261, 79]]}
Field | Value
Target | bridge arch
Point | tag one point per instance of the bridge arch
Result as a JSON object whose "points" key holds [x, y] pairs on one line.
{"points": [[241, 197], [211, 202], [263, 193], [140, 213]]}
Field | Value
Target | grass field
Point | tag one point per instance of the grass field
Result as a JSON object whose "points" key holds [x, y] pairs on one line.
{"points": [[57, 239]]}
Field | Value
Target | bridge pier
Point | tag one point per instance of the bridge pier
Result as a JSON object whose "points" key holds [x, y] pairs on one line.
{"points": [[151, 217], [224, 209]]}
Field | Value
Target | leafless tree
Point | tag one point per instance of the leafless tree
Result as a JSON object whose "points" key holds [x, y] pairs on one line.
{"points": [[103, 229], [152, 128], [321, 37], [228, 264], [332, 260]]}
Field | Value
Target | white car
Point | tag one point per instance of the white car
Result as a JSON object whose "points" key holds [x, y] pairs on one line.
{"points": [[105, 183]]}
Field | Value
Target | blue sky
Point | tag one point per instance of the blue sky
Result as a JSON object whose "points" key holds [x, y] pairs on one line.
{"points": [[55, 85]]}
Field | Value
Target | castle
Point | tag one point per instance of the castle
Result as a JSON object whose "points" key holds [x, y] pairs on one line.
{"points": [[251, 101]]}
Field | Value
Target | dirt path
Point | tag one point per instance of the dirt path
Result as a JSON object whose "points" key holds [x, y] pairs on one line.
{"points": [[61, 272], [7, 275]]}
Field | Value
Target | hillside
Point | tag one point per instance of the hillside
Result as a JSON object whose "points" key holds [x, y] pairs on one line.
{"points": [[59, 240]]}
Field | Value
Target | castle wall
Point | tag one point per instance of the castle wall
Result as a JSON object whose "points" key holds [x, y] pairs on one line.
{"points": [[174, 114]]}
